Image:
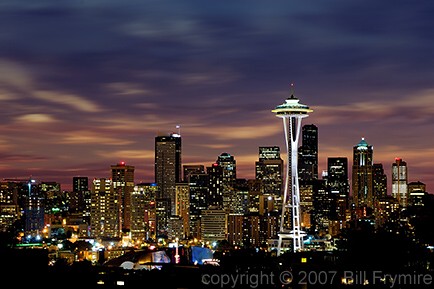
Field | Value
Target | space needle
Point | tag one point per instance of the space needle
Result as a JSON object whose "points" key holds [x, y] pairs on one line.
{"points": [[292, 112]]}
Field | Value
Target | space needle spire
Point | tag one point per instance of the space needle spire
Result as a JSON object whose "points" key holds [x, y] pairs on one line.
{"points": [[292, 112]]}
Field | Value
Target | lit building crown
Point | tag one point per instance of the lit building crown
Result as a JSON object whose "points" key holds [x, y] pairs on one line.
{"points": [[362, 145]]}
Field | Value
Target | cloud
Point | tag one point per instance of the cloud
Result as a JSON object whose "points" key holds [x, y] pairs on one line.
{"points": [[15, 75], [5, 145], [240, 132], [211, 76], [126, 155], [6, 95], [128, 89], [36, 118], [147, 105], [414, 108], [21, 158], [178, 29], [91, 137], [72, 101], [218, 146], [17, 82]]}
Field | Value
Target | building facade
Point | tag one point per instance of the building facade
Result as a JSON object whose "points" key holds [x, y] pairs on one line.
{"points": [[362, 178], [399, 182]]}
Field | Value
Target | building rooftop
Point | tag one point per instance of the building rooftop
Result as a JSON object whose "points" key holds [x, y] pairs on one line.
{"points": [[362, 143]]}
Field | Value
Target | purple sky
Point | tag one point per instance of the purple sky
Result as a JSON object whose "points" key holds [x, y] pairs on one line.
{"points": [[86, 84]]}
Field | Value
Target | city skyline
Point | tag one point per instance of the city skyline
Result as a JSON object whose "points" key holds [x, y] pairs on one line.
{"points": [[86, 85]]}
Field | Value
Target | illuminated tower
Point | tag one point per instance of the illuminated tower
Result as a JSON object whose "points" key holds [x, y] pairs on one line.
{"points": [[229, 174], [362, 173], [292, 113], [168, 168], [269, 170], [123, 183], [399, 182]]}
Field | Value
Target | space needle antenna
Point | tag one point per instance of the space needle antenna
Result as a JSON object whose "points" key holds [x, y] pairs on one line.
{"points": [[291, 90]]}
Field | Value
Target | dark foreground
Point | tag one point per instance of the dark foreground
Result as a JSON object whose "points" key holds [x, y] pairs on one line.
{"points": [[311, 270]]}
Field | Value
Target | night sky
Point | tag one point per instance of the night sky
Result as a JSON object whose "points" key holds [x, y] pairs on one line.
{"points": [[87, 84]]}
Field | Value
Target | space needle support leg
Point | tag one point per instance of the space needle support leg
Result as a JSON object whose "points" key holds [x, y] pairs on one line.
{"points": [[285, 195], [295, 186]]}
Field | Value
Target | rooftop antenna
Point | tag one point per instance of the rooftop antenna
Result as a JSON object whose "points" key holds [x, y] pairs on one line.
{"points": [[179, 129]]}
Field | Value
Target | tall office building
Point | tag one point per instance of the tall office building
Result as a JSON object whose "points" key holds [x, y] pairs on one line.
{"points": [[306, 203], [322, 206], [269, 171], [199, 192], [123, 183], [235, 229], [338, 185], [168, 168], [214, 225], [143, 222], [241, 202], [34, 210], [80, 185], [362, 181], [229, 173], [254, 188], [215, 197], [9, 209], [15, 198], [105, 209], [183, 206], [308, 153], [162, 217], [399, 182], [80, 198], [307, 172], [379, 182]]}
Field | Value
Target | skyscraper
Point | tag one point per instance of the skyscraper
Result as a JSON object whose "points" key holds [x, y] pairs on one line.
{"points": [[80, 185], [292, 112], [338, 185], [229, 175], [308, 173], [199, 192], [9, 208], [379, 181], [322, 206], [105, 209], [34, 210], [362, 183], [183, 206], [269, 170], [308, 153], [399, 182], [123, 184], [215, 196], [214, 224], [19, 199], [143, 212], [168, 168], [80, 198]]}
